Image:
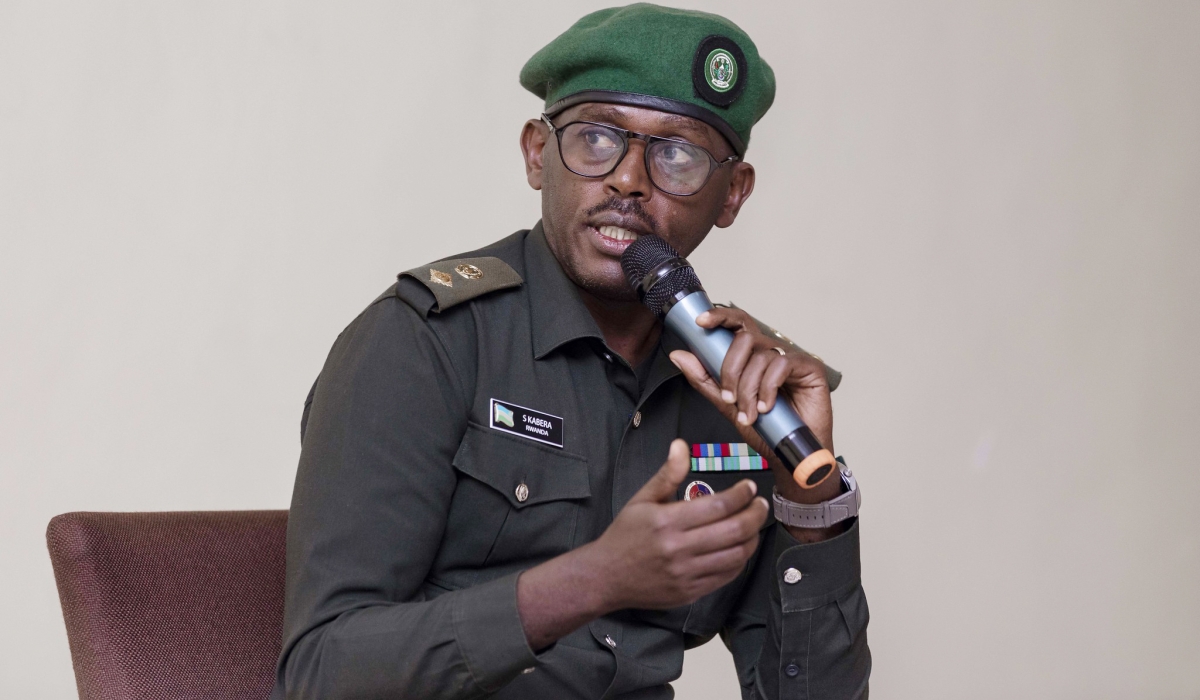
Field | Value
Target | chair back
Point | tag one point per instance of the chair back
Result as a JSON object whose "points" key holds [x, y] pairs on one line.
{"points": [[166, 606]]}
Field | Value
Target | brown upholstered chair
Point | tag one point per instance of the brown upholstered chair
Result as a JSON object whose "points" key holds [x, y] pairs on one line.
{"points": [[171, 605]]}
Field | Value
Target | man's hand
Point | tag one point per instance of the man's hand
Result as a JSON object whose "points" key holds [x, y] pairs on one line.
{"points": [[754, 376], [657, 553], [663, 553]]}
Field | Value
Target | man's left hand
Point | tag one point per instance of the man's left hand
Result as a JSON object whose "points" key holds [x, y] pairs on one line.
{"points": [[759, 370]]}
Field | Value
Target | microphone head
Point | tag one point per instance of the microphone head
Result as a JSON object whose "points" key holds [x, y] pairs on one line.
{"points": [[651, 254]]}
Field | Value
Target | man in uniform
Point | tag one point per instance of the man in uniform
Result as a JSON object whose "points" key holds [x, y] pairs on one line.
{"points": [[515, 483]]}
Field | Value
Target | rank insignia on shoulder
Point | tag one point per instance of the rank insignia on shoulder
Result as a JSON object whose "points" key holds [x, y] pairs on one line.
{"points": [[468, 271], [475, 277], [726, 457], [526, 422]]}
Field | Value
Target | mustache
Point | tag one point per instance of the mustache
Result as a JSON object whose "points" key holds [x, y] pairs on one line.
{"points": [[627, 207]]}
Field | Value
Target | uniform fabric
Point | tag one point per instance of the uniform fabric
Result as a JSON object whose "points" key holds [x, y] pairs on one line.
{"points": [[162, 606], [628, 54], [412, 517]]}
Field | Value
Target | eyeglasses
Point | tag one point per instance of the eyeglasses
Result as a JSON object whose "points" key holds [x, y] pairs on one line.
{"points": [[676, 167]]}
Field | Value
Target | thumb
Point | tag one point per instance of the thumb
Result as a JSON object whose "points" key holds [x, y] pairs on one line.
{"points": [[661, 487], [697, 376]]}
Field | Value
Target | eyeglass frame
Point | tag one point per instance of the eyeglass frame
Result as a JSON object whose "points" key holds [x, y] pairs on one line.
{"points": [[648, 139]]}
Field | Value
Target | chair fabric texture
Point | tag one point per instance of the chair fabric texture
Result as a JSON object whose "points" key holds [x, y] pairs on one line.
{"points": [[166, 606]]}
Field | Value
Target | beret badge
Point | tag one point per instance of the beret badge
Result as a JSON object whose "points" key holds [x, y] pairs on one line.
{"points": [[719, 70]]}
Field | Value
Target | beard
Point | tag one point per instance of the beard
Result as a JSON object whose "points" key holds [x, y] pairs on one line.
{"points": [[587, 277], [573, 253]]}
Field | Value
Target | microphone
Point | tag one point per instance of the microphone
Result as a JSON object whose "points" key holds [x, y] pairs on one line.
{"points": [[668, 286]]}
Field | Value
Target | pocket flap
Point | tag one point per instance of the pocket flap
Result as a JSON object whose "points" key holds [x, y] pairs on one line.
{"points": [[504, 462]]}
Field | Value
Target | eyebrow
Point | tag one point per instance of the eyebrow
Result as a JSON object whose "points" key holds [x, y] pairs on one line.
{"points": [[675, 121]]}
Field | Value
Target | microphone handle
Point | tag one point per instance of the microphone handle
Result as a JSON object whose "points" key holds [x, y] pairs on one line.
{"points": [[792, 441]]}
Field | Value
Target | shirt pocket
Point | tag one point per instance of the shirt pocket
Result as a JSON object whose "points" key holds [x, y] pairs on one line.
{"points": [[524, 497], [706, 616]]}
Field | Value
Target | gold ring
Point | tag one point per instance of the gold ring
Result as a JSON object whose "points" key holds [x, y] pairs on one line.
{"points": [[779, 350]]}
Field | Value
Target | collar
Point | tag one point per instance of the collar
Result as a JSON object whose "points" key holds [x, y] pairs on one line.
{"points": [[557, 313], [663, 369], [559, 316]]}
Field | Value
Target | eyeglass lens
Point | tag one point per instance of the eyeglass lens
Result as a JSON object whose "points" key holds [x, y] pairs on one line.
{"points": [[593, 150]]}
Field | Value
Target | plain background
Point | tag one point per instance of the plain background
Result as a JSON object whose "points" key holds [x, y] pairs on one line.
{"points": [[984, 213]]}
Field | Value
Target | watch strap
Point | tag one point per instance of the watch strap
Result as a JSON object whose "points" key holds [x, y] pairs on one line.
{"points": [[824, 514]]}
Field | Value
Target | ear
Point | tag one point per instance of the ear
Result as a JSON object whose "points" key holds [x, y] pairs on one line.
{"points": [[741, 185], [533, 144]]}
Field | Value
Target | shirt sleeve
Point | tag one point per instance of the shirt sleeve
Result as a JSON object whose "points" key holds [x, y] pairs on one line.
{"points": [[368, 512], [799, 631]]}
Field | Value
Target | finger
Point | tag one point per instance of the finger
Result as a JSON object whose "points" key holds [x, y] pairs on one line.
{"points": [[724, 317], [728, 532], [720, 505], [735, 360], [662, 486], [696, 375], [724, 562], [748, 386], [776, 373]]}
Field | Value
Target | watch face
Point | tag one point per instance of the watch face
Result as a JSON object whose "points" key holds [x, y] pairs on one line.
{"points": [[848, 479]]}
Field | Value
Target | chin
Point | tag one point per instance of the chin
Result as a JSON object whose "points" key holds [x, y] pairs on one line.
{"points": [[621, 292], [603, 286]]}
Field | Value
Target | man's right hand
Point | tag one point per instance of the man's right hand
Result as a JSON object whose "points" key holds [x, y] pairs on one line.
{"points": [[663, 553], [657, 553]]}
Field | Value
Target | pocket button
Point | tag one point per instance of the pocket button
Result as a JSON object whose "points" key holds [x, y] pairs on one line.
{"points": [[522, 492]]}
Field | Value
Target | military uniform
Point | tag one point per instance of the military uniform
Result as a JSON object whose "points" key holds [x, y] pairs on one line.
{"points": [[472, 423], [416, 506]]}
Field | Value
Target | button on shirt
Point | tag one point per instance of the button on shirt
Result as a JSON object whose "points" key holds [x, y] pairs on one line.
{"points": [[412, 517]]}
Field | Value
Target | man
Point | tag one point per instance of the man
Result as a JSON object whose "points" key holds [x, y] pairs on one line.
{"points": [[482, 507]]}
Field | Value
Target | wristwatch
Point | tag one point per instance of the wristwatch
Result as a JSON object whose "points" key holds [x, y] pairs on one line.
{"points": [[824, 514]]}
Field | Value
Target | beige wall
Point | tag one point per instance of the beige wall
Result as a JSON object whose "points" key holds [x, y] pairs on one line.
{"points": [[984, 213]]}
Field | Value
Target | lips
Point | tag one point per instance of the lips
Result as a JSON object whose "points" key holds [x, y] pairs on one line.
{"points": [[611, 240], [611, 232], [617, 233]]}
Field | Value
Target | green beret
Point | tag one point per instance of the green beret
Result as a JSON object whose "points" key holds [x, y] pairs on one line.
{"points": [[681, 61]]}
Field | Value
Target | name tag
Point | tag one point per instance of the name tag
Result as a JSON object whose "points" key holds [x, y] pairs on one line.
{"points": [[527, 423]]}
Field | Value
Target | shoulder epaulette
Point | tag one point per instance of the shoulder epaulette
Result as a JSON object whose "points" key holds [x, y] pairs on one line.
{"points": [[461, 279]]}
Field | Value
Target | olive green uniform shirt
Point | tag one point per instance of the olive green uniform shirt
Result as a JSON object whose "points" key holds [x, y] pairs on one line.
{"points": [[412, 518]]}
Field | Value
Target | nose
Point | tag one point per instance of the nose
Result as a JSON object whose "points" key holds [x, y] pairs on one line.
{"points": [[629, 180]]}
